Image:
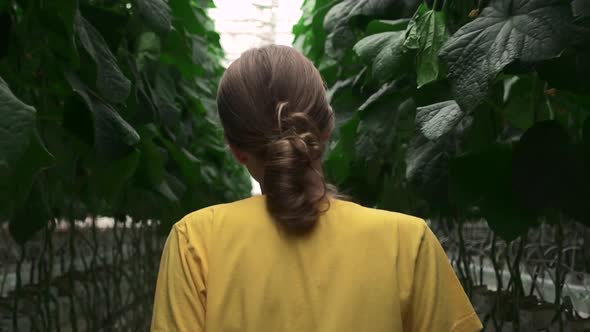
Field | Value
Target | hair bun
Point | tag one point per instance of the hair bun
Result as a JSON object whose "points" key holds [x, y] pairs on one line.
{"points": [[302, 134], [297, 121]]}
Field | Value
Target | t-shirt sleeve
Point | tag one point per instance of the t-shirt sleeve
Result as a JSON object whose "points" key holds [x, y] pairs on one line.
{"points": [[437, 301], [180, 298]]}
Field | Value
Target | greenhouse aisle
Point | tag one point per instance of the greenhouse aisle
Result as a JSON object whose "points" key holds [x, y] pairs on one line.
{"points": [[473, 115]]}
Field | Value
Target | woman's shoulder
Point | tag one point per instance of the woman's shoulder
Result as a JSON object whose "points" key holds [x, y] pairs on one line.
{"points": [[199, 224], [362, 213], [210, 213], [380, 226]]}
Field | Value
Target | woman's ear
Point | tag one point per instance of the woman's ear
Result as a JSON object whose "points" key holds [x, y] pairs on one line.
{"points": [[241, 156]]}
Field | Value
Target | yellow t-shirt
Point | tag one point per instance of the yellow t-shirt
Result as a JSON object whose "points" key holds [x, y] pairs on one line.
{"points": [[229, 268]]}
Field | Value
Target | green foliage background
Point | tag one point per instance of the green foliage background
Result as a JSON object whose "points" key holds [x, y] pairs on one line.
{"points": [[107, 108], [458, 109]]}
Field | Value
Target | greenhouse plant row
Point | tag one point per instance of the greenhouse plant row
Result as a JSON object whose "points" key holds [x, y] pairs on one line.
{"points": [[475, 115], [471, 114]]}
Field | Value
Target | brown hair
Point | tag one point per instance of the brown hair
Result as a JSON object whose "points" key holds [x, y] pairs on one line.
{"points": [[272, 103]]}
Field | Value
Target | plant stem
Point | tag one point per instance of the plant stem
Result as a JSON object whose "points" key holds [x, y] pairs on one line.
{"points": [[463, 259], [534, 280], [497, 326], [18, 288], [549, 107], [558, 283], [93, 263], [495, 263], [516, 281], [481, 269], [53, 224], [516, 266], [71, 280]]}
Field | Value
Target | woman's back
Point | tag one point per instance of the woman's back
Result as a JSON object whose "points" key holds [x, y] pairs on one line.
{"points": [[231, 268]]}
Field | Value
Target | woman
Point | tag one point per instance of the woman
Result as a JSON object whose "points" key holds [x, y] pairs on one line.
{"points": [[297, 258]]}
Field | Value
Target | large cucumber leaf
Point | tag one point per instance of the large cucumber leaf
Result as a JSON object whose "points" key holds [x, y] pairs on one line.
{"points": [[110, 81], [17, 123], [339, 19], [385, 53], [113, 136], [438, 119], [505, 31], [157, 13]]}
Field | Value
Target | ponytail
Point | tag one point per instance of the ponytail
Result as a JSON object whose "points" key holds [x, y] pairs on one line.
{"points": [[294, 186]]}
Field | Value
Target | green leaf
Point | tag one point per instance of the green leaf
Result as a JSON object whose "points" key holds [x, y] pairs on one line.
{"points": [[5, 28], [413, 36], [468, 186], [109, 179], [112, 133], [505, 218], [18, 180], [151, 168], [177, 186], [343, 12], [387, 117], [386, 90], [524, 101], [479, 129], [112, 24], [78, 119], [57, 21], [183, 11], [32, 216], [148, 49], [165, 94], [157, 14], [187, 163], [385, 54], [338, 15], [312, 41], [345, 100], [438, 119], [341, 156], [570, 71], [586, 143], [110, 81], [581, 8], [427, 33], [543, 166], [393, 196], [379, 26], [574, 201], [505, 31], [581, 38], [176, 51], [17, 123], [143, 108], [337, 21], [113, 136], [482, 179], [425, 160]]}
